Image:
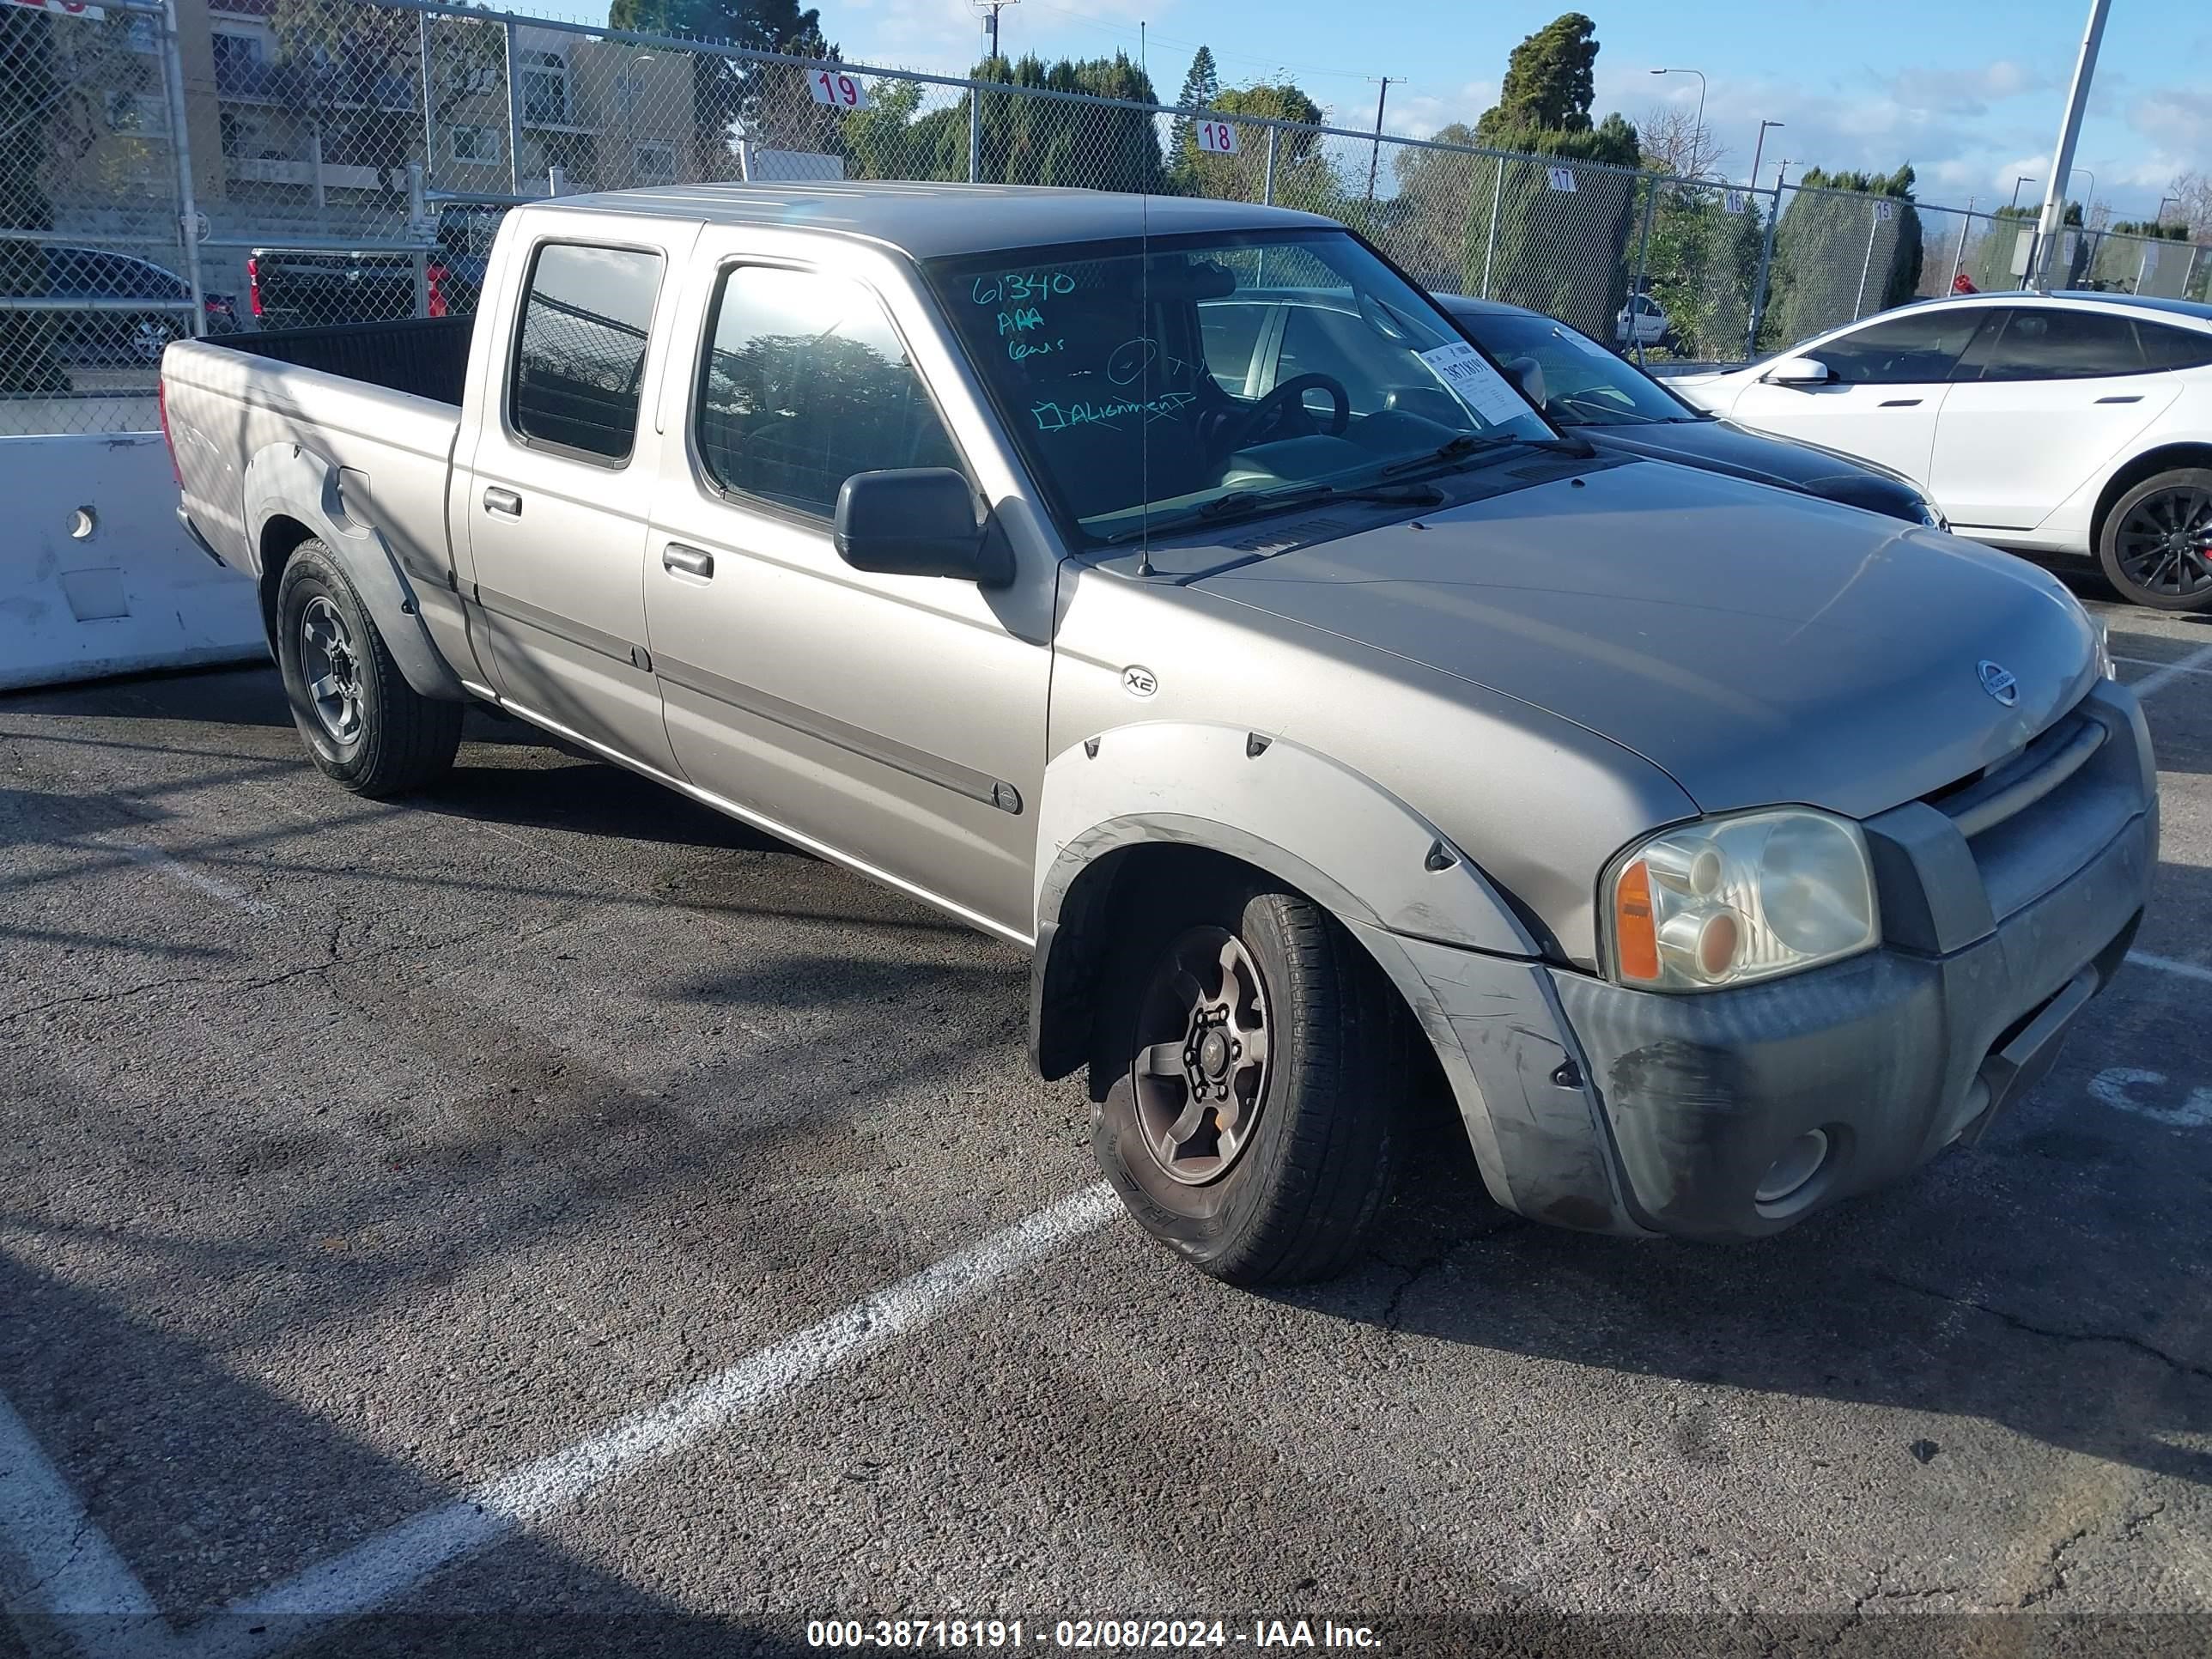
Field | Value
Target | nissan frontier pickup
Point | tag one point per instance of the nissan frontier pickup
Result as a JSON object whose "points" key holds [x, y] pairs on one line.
{"points": [[1171, 587]]}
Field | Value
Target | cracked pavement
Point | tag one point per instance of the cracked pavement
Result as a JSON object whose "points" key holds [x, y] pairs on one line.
{"points": [[359, 1154]]}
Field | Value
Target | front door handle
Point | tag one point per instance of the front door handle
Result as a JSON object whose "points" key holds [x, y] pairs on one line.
{"points": [[505, 502], [688, 559], [1901, 403]]}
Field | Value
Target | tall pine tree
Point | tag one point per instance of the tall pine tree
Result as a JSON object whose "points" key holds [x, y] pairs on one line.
{"points": [[1199, 88]]}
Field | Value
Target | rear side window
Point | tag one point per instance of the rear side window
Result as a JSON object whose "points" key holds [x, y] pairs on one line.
{"points": [[2174, 348], [1916, 348], [2062, 345], [805, 383], [580, 361]]}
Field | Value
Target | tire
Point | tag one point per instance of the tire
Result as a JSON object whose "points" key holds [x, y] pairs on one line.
{"points": [[2155, 544], [362, 723], [1283, 1186]]}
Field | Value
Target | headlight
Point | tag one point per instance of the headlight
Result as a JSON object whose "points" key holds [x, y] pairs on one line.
{"points": [[1736, 899]]}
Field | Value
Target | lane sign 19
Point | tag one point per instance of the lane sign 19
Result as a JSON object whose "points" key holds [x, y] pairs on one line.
{"points": [[837, 90]]}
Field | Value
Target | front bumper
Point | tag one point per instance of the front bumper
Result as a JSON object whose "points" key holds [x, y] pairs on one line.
{"points": [[1626, 1111]]}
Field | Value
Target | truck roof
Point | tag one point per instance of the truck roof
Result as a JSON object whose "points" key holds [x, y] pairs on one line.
{"points": [[928, 220]]}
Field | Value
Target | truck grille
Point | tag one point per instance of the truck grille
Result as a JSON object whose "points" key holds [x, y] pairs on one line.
{"points": [[2034, 817]]}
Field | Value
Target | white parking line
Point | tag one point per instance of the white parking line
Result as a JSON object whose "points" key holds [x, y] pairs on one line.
{"points": [[74, 1570], [177, 870], [2171, 671], [2168, 965]]}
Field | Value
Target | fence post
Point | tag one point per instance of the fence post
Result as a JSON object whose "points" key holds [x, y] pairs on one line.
{"points": [[1643, 259], [513, 114], [322, 198], [1267, 185], [974, 132], [1766, 265], [556, 180], [1874, 223], [1959, 258], [428, 80], [1490, 246], [180, 146]]}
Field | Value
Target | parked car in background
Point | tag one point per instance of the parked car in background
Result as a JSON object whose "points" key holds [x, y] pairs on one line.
{"points": [[1643, 321], [2063, 422], [1623, 411], [1730, 851], [303, 287], [91, 289]]}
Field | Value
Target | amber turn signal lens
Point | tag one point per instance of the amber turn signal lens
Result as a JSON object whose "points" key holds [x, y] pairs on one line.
{"points": [[1636, 941]]}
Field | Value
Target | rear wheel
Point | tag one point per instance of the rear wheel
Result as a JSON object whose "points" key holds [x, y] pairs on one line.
{"points": [[2155, 544], [1250, 1075], [364, 725]]}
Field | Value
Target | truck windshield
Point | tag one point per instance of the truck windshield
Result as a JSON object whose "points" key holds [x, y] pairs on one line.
{"points": [[1210, 376]]}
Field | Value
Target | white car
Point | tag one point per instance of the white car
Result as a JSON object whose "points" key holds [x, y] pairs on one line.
{"points": [[2046, 422], [1641, 321]]}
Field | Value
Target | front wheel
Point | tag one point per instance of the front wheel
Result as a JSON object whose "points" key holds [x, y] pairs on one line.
{"points": [[1251, 1078], [364, 725], [2155, 544]]}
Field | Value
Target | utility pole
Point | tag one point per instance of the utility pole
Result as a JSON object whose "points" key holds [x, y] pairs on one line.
{"points": [[2069, 133], [990, 10], [1375, 161]]}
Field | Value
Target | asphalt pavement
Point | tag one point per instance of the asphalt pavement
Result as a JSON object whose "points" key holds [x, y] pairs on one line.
{"points": [[544, 1216]]}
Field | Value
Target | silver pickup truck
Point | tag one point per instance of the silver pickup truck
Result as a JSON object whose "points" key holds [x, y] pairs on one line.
{"points": [[1319, 716]]}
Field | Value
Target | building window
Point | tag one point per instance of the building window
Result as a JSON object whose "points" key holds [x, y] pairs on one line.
{"points": [[655, 163], [143, 36], [545, 87], [475, 144], [132, 111]]}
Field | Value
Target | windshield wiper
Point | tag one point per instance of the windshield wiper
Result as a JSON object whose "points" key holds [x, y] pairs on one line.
{"points": [[1458, 449], [1239, 503]]}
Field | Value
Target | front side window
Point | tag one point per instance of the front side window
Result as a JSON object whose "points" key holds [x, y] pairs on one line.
{"points": [[1915, 348], [2039, 344], [1099, 358], [805, 383], [579, 360]]}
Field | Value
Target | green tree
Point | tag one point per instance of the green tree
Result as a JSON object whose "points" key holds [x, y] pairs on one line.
{"points": [[1046, 140], [729, 94], [1548, 82], [1304, 177], [1701, 266], [1849, 245], [1565, 252], [1200, 86]]}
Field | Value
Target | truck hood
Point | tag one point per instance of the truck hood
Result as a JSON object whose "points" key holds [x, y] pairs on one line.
{"points": [[1759, 647]]}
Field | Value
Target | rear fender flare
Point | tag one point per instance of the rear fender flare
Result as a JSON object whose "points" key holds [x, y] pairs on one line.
{"points": [[288, 481]]}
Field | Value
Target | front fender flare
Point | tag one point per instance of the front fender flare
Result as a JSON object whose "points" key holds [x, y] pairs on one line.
{"points": [[287, 480]]}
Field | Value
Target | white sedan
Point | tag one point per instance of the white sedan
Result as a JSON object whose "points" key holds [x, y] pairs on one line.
{"points": [[2050, 423]]}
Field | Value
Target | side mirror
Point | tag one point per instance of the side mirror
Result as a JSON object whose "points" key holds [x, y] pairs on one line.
{"points": [[1799, 371], [1528, 374], [919, 521]]}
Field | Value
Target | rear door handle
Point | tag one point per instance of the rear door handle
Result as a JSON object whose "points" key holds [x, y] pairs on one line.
{"points": [[2130, 398], [688, 559], [505, 502]]}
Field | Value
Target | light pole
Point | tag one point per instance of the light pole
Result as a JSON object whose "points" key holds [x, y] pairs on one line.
{"points": [[2090, 200], [1759, 148], [2159, 217], [1698, 147], [2016, 184]]}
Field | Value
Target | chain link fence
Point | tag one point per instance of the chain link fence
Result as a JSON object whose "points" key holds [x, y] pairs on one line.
{"points": [[310, 162]]}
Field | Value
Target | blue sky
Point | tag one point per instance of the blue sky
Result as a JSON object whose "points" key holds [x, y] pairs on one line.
{"points": [[1969, 91]]}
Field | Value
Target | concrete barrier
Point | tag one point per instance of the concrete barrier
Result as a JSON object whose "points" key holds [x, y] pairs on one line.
{"points": [[97, 576]]}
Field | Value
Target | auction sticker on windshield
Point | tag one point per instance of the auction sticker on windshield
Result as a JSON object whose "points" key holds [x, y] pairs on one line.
{"points": [[1474, 382]]}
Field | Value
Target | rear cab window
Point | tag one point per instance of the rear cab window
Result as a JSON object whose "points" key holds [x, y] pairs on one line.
{"points": [[580, 352]]}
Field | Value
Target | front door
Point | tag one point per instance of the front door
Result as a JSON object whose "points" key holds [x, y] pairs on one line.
{"points": [[560, 483], [895, 721], [1888, 381]]}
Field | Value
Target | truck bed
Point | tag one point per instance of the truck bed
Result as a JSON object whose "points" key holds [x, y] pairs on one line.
{"points": [[424, 357]]}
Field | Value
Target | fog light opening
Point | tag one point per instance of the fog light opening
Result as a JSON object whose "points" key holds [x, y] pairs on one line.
{"points": [[1792, 1174]]}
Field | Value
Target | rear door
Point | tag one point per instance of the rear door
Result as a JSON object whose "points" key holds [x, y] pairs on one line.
{"points": [[560, 482], [1889, 380], [2040, 405]]}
